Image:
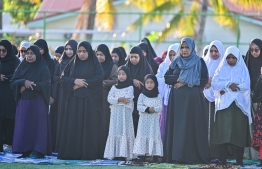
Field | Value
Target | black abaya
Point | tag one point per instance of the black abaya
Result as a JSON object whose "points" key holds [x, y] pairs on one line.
{"points": [[186, 139], [80, 122]]}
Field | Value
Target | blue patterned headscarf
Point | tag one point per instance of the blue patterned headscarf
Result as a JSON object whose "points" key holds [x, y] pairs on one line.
{"points": [[190, 66]]}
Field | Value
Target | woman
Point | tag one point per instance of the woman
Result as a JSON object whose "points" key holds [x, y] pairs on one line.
{"points": [[253, 61], [7, 100], [231, 84], [82, 84], [149, 57], [109, 79], [139, 68], [31, 85], [57, 108], [163, 88], [205, 51], [152, 51], [41, 43], [212, 59], [23, 47], [123, 51], [118, 57], [186, 137]]}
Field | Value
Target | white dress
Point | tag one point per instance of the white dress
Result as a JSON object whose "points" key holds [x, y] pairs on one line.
{"points": [[148, 140], [120, 140]]}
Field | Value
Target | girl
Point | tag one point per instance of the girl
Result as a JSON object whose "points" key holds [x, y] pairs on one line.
{"points": [[148, 140], [121, 135], [231, 85]]}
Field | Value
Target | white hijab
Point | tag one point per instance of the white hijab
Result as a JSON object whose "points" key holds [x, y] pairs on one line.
{"points": [[226, 75], [204, 49], [162, 87], [212, 66]]}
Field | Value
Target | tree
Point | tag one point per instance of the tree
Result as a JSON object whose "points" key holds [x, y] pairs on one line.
{"points": [[188, 23], [13, 6], [88, 18]]}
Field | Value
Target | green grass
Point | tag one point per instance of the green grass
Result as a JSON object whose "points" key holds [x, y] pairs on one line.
{"points": [[35, 166]]}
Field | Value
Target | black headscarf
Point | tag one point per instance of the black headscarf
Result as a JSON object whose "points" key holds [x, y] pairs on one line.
{"points": [[64, 60], [140, 70], [9, 49], [41, 43], [128, 82], [60, 49], [151, 93], [108, 63], [10, 61], [123, 51], [36, 72], [15, 50], [121, 60], [254, 64], [149, 56], [89, 69], [145, 40]]}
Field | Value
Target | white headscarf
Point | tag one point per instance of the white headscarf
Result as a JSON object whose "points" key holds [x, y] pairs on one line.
{"points": [[205, 48], [226, 75], [162, 87], [212, 66]]}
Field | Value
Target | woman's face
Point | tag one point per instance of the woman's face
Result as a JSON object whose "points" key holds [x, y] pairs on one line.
{"points": [[254, 50], [185, 51], [22, 52], [3, 52], [150, 84], [41, 51], [134, 58], [214, 53], [30, 56], [231, 60], [69, 51], [100, 56], [115, 57], [121, 76], [82, 53], [57, 56], [171, 55]]}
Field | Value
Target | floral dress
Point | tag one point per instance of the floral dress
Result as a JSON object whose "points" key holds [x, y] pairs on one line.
{"points": [[148, 140], [121, 135]]}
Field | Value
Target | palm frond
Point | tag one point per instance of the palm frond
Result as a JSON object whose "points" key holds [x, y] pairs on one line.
{"points": [[222, 14], [189, 21], [105, 20], [157, 16], [248, 4], [171, 26]]}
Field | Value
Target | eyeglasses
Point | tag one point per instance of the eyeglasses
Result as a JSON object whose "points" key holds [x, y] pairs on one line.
{"points": [[256, 50], [2, 50], [22, 51], [211, 51]]}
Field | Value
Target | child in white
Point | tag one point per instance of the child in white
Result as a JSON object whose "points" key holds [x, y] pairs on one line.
{"points": [[148, 140], [121, 135]]}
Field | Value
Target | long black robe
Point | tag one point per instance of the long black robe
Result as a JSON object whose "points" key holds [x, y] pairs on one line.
{"points": [[186, 139], [7, 100], [80, 122], [110, 77], [57, 108]]}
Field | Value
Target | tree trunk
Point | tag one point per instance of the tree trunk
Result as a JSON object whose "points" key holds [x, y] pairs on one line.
{"points": [[1, 18], [90, 18], [201, 28]]}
